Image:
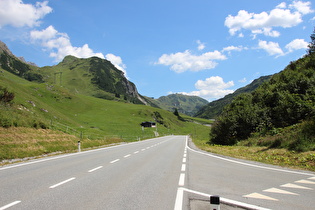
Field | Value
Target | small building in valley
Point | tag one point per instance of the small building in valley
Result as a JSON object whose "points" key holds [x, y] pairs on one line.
{"points": [[148, 124]]}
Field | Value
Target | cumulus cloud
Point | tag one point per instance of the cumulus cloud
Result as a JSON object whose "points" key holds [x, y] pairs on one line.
{"points": [[272, 48], [212, 88], [302, 7], [263, 23], [296, 44], [18, 14], [186, 61], [59, 44]]}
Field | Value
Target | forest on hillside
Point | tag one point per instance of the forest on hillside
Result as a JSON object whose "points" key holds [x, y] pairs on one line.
{"points": [[287, 99]]}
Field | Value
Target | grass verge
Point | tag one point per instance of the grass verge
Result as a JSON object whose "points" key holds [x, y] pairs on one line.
{"points": [[281, 157]]}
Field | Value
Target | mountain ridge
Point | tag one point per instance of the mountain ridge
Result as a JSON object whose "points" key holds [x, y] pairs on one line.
{"points": [[215, 108]]}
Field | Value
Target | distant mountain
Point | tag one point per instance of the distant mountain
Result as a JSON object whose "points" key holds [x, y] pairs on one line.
{"points": [[214, 108], [185, 104]]}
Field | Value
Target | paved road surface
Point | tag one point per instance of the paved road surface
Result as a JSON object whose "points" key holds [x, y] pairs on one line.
{"points": [[141, 175], [249, 182], [161, 173]]}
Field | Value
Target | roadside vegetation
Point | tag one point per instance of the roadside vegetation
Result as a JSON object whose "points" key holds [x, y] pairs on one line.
{"points": [[275, 123]]}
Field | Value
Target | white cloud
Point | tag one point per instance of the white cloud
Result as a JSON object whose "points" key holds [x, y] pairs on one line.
{"points": [[117, 62], [302, 7], [272, 48], [18, 14], [263, 23], [234, 48], [296, 44], [212, 88], [201, 45], [59, 44], [185, 61], [282, 5]]}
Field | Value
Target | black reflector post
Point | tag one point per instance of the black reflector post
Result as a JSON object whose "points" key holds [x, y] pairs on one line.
{"points": [[215, 202]]}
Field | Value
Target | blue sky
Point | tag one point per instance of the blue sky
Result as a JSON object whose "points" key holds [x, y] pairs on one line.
{"points": [[197, 47]]}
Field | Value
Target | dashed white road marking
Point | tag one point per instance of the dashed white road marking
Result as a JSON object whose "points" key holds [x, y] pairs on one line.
{"points": [[276, 190], [302, 181], [183, 167], [312, 178], [61, 183], [114, 161], [259, 196], [136, 152], [181, 181], [289, 185], [127, 156], [94, 169], [9, 205], [184, 160]]}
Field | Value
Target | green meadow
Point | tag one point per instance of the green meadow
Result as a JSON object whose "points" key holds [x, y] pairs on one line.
{"points": [[45, 118]]}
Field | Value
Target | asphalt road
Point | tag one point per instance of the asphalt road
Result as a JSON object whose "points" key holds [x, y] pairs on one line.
{"points": [[260, 185], [142, 175], [161, 173]]}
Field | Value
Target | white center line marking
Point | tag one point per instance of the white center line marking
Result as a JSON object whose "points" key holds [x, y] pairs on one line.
{"points": [[183, 167], [142, 149], [94, 169], [114, 161], [9, 205], [185, 155], [184, 160], [60, 183], [181, 181], [136, 152], [179, 199], [127, 156]]}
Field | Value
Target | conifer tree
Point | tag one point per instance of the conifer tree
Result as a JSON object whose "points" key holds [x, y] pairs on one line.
{"points": [[311, 46]]}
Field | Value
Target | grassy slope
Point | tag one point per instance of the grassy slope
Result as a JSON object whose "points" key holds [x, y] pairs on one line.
{"points": [[99, 121]]}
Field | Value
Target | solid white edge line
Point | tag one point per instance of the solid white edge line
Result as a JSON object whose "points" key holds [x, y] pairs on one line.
{"points": [[94, 169], [9, 205], [179, 199], [61, 183], [252, 165], [114, 161], [226, 201], [181, 181]]}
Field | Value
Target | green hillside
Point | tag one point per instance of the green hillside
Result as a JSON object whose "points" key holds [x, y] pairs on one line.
{"points": [[213, 109], [54, 106], [283, 107], [188, 105]]}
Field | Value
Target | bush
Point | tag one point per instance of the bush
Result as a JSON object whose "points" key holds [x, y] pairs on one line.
{"points": [[5, 95]]}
